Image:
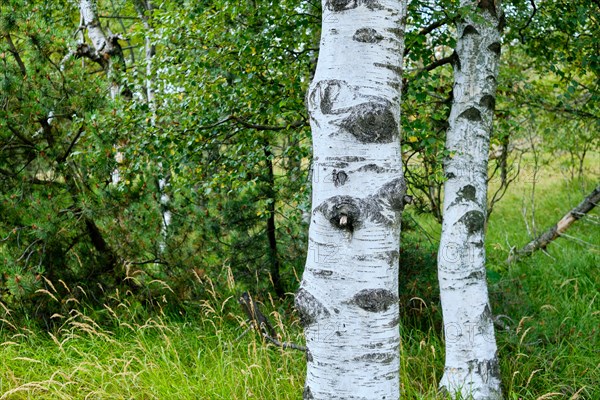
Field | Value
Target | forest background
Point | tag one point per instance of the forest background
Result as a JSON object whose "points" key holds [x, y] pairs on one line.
{"points": [[141, 192]]}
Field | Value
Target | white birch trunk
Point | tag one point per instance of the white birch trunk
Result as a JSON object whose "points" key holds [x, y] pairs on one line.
{"points": [[348, 299], [106, 49], [143, 7], [104, 45], [471, 367]]}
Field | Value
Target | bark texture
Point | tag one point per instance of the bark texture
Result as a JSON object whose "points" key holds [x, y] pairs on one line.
{"points": [[348, 299], [471, 366], [106, 48], [560, 227]]}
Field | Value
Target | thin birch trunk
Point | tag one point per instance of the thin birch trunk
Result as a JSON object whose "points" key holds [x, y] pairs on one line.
{"points": [[471, 366], [143, 8], [107, 52], [348, 299]]}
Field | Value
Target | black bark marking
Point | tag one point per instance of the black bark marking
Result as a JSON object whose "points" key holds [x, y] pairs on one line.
{"points": [[367, 35], [395, 193], [485, 368], [349, 213], [477, 275], [393, 323], [340, 164], [450, 175], [456, 61], [349, 159], [307, 395], [397, 69], [371, 168], [467, 193], [372, 4], [372, 122], [330, 90], [309, 356], [343, 212], [488, 5], [473, 220], [469, 30], [501, 22], [341, 5], [399, 33], [488, 101], [472, 114], [382, 358], [390, 257], [322, 272], [339, 178], [486, 315], [374, 300], [495, 48], [491, 80], [309, 308]]}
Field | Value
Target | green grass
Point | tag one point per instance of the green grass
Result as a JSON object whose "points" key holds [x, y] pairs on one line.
{"points": [[548, 305]]}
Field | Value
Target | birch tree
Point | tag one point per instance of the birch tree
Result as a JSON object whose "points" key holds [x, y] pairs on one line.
{"points": [[107, 51], [471, 366], [348, 299]]}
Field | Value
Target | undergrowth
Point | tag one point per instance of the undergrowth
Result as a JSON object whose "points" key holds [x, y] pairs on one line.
{"points": [[546, 306]]}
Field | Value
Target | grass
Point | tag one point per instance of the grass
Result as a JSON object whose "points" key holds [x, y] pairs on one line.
{"points": [[548, 334]]}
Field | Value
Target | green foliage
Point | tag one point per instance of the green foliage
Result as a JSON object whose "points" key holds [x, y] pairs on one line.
{"points": [[226, 130]]}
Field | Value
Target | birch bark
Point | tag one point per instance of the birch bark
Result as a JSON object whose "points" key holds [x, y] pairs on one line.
{"points": [[106, 47], [348, 299], [144, 10], [471, 366]]}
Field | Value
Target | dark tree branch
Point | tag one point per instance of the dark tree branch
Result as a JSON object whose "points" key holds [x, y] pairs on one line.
{"points": [[260, 322], [427, 30], [255, 316], [439, 63], [21, 137], [528, 21], [13, 50], [63, 158]]}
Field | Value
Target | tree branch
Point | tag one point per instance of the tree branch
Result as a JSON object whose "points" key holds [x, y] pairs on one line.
{"points": [[439, 63], [427, 30], [528, 21], [13, 50], [22, 137], [73, 142], [559, 228]]}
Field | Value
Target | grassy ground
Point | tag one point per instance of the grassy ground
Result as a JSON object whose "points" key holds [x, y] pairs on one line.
{"points": [[548, 327]]}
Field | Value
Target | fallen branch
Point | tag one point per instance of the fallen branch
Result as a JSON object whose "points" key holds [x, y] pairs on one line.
{"points": [[261, 323], [559, 228]]}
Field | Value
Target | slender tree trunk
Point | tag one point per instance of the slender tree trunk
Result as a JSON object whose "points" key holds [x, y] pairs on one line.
{"points": [[274, 262], [471, 367], [107, 48], [560, 227], [348, 299]]}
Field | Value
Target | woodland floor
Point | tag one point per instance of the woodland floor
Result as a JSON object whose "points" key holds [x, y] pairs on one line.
{"points": [[547, 305]]}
